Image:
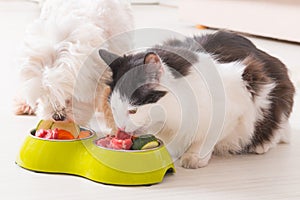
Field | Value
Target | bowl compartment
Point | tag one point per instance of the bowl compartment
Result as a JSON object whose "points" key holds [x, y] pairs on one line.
{"points": [[84, 158]]}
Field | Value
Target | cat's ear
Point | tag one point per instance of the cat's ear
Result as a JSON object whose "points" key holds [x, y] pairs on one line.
{"points": [[152, 58], [108, 57], [153, 66]]}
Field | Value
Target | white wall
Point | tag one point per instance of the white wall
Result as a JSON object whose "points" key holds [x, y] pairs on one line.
{"points": [[274, 18]]}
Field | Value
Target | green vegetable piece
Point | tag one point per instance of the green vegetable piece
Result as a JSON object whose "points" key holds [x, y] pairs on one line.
{"points": [[141, 141], [44, 124]]}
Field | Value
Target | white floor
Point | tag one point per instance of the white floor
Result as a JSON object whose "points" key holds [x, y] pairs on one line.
{"points": [[274, 175]]}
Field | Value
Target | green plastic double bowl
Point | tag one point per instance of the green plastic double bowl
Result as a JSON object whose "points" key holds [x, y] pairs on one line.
{"points": [[84, 158]]}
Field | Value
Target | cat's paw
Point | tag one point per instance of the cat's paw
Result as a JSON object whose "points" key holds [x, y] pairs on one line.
{"points": [[261, 149], [193, 160]]}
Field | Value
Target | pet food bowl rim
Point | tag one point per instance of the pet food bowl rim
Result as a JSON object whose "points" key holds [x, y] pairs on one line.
{"points": [[93, 133], [161, 145]]}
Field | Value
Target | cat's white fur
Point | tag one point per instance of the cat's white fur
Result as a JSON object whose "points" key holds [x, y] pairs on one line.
{"points": [[185, 139], [56, 48]]}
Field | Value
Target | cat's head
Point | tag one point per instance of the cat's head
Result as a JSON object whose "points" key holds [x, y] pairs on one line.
{"points": [[135, 86]]}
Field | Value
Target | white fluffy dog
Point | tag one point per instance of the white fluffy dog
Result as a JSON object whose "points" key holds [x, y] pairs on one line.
{"points": [[60, 62]]}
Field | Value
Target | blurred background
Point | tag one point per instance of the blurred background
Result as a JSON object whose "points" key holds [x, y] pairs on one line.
{"points": [[269, 18]]}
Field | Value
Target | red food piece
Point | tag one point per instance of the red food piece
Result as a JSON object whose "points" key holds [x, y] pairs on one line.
{"points": [[122, 135], [54, 134], [104, 142], [63, 135], [121, 144], [41, 133], [47, 134], [122, 140]]}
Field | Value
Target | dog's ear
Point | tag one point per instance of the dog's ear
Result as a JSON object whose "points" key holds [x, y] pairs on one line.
{"points": [[108, 57]]}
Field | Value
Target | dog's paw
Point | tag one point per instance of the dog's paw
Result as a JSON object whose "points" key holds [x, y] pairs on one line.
{"points": [[193, 161], [22, 108]]}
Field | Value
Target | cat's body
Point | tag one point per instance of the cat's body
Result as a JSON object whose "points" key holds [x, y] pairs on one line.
{"points": [[248, 90]]}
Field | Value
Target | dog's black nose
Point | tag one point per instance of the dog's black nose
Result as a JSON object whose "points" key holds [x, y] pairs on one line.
{"points": [[58, 117]]}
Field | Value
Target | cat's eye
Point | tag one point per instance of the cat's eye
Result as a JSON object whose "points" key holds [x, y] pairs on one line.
{"points": [[132, 111]]}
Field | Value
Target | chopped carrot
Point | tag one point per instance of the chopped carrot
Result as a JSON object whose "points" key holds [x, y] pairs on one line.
{"points": [[64, 135], [84, 134]]}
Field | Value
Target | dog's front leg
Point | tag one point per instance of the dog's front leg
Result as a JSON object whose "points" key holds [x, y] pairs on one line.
{"points": [[22, 108]]}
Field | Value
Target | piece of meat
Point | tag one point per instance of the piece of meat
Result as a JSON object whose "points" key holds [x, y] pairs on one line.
{"points": [[122, 135], [47, 134], [56, 133], [121, 144], [105, 142], [121, 140]]}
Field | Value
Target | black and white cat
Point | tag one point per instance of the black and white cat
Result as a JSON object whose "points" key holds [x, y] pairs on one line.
{"points": [[163, 90]]}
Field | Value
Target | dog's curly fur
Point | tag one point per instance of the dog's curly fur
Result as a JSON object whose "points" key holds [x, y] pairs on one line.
{"points": [[60, 69]]}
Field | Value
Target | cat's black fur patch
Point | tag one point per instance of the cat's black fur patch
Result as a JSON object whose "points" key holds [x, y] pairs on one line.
{"points": [[143, 96], [178, 58], [138, 91], [261, 69], [226, 46]]}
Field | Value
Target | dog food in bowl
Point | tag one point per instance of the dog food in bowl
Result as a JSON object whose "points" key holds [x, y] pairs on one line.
{"points": [[124, 141], [60, 130]]}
